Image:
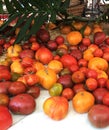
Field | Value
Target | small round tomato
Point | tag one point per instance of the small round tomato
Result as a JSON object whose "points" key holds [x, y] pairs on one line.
{"points": [[68, 93], [56, 89], [59, 39], [91, 84], [86, 41], [35, 46], [106, 99], [32, 39], [5, 118]]}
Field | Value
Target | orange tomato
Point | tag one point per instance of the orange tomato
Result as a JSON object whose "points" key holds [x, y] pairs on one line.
{"points": [[87, 31], [37, 65], [88, 55], [47, 77], [78, 25], [74, 37], [65, 29], [98, 63], [56, 65], [78, 77], [56, 107], [83, 101]]}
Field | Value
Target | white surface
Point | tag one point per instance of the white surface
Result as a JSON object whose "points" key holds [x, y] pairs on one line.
{"points": [[39, 121]]}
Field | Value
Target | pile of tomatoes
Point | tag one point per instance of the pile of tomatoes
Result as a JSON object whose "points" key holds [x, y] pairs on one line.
{"points": [[71, 65]]}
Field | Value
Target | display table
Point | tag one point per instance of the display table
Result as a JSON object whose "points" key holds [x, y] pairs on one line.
{"points": [[39, 121]]}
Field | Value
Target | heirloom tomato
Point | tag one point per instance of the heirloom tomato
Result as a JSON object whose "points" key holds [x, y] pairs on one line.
{"points": [[47, 77]]}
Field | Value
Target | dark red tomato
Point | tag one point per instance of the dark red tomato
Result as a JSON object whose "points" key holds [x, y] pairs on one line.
{"points": [[4, 86], [34, 91], [2, 67], [16, 88], [32, 39], [5, 75], [59, 39], [2, 41], [99, 94], [5, 118]]}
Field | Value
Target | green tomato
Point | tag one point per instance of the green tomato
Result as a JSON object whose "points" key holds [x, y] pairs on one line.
{"points": [[15, 76], [56, 89]]}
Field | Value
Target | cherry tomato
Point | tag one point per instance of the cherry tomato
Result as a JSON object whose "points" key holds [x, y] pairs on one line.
{"points": [[68, 93]]}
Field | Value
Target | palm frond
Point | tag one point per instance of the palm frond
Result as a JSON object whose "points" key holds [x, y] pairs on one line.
{"points": [[26, 11]]}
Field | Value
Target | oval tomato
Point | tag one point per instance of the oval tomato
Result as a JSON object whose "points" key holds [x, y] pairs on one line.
{"points": [[5, 118], [44, 55]]}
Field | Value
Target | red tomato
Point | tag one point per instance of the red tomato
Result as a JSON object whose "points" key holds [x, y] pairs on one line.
{"points": [[106, 99], [6, 45], [12, 40], [91, 73], [5, 75], [35, 46], [27, 62], [68, 93], [32, 39], [59, 39], [102, 82], [31, 79], [68, 60], [78, 87], [29, 70], [5, 118], [98, 52], [107, 40], [82, 63], [91, 84], [44, 55], [86, 41], [2, 41]]}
